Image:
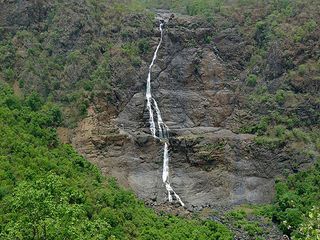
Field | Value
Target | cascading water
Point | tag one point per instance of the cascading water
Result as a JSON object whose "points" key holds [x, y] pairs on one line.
{"points": [[163, 130]]}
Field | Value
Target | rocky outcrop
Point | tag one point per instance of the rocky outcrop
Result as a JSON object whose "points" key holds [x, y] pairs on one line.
{"points": [[197, 92]]}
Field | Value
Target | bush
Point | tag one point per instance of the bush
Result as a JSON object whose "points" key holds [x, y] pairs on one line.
{"points": [[270, 142], [311, 25], [101, 75], [301, 135], [239, 219], [303, 31], [280, 96], [9, 74], [252, 228], [144, 46], [279, 131], [251, 80], [261, 34], [34, 101], [302, 69], [83, 107], [237, 215], [281, 4], [208, 39], [7, 55], [88, 85]]}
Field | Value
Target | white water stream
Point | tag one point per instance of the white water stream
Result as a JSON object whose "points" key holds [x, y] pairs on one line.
{"points": [[160, 130]]}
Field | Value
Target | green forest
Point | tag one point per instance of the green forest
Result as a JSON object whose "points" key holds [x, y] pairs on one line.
{"points": [[53, 69]]}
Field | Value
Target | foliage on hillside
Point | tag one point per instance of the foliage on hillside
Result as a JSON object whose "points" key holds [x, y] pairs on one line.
{"points": [[295, 208], [205, 8], [89, 57], [282, 80], [48, 191], [282, 106], [75, 51], [297, 202]]}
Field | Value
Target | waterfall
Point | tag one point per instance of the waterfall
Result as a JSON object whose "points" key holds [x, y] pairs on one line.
{"points": [[160, 130]]}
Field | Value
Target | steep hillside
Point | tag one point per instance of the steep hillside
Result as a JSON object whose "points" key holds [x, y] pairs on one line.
{"points": [[237, 83], [48, 191], [212, 77], [74, 52]]}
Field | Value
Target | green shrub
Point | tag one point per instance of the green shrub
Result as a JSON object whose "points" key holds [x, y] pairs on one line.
{"points": [[74, 56], [208, 39], [303, 31], [9, 74], [299, 34], [302, 69], [136, 61], [255, 60], [131, 49], [251, 80], [21, 83], [270, 142], [7, 55], [239, 219], [301, 135], [101, 75], [280, 96], [260, 128], [279, 131], [144, 46], [237, 215], [83, 107], [34, 101], [281, 4], [252, 228], [203, 7], [88, 85], [311, 25], [261, 35]]}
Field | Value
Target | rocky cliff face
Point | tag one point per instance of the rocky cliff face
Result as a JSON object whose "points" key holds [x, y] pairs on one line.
{"points": [[196, 81]]}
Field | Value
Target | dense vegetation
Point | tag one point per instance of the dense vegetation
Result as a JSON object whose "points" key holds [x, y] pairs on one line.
{"points": [[78, 61], [296, 206], [48, 191]]}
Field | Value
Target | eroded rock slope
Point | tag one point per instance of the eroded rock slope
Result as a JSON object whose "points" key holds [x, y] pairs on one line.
{"points": [[196, 83]]}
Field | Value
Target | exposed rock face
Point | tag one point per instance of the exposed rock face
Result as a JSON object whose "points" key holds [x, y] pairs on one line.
{"points": [[197, 92]]}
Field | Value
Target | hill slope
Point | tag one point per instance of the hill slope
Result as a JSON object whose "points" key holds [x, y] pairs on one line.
{"points": [[237, 82], [48, 191]]}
